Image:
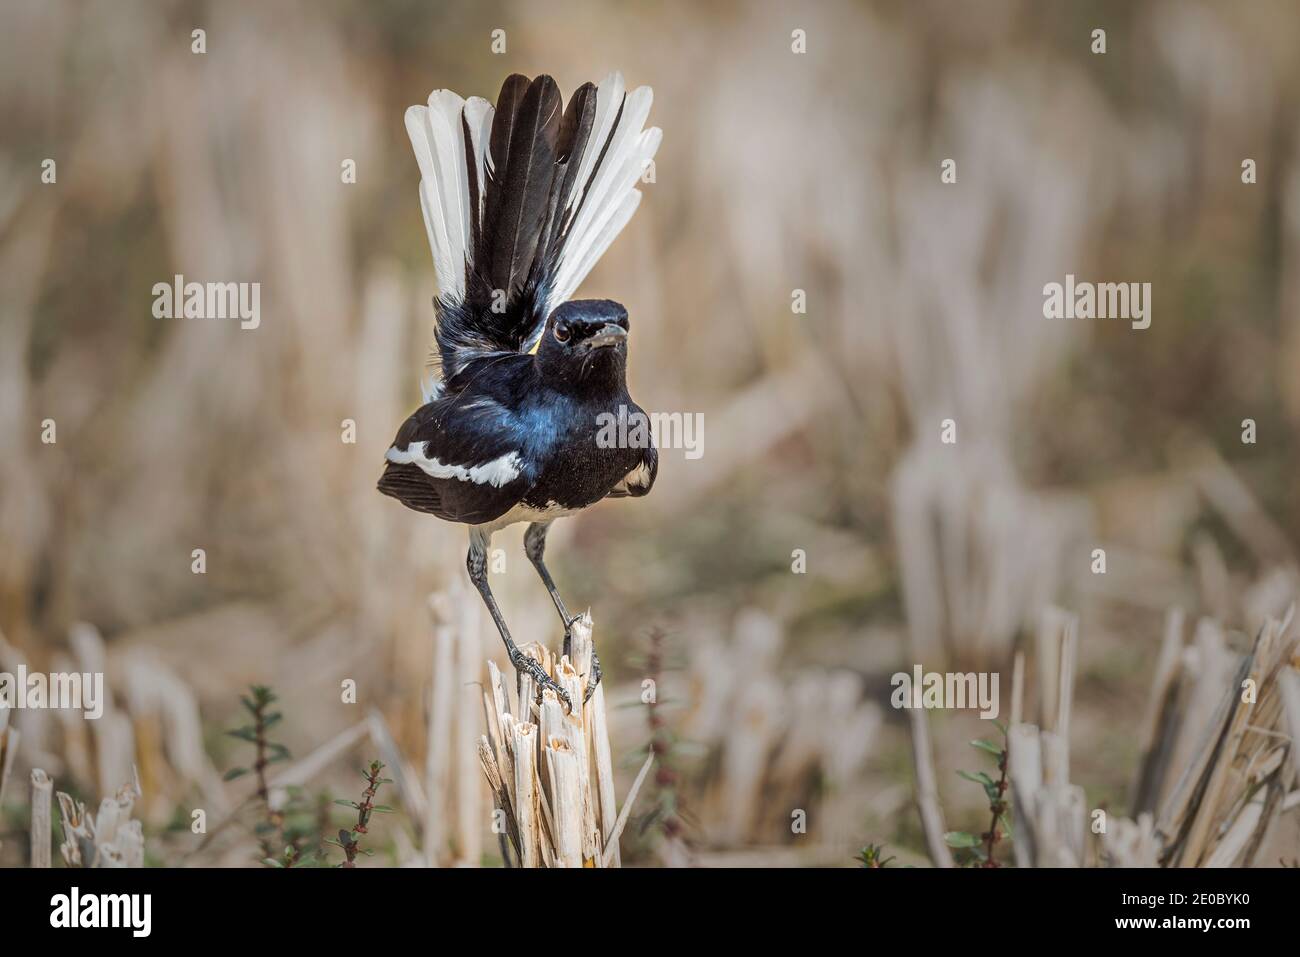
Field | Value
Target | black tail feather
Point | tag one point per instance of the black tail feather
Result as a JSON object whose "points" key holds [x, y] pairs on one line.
{"points": [[475, 196], [575, 131], [509, 100], [523, 150]]}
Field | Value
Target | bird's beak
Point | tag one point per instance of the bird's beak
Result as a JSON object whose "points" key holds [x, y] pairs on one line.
{"points": [[611, 334]]}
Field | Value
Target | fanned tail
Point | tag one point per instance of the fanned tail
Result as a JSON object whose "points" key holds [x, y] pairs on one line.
{"points": [[520, 202]]}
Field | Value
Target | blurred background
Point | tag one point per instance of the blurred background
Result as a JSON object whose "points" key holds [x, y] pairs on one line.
{"points": [[825, 540]]}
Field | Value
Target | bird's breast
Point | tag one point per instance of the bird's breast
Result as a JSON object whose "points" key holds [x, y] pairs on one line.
{"points": [[580, 473]]}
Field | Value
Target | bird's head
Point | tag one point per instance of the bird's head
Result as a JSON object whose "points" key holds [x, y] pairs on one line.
{"points": [[583, 348]]}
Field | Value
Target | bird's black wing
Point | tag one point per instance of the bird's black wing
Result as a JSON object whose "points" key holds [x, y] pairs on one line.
{"points": [[459, 458]]}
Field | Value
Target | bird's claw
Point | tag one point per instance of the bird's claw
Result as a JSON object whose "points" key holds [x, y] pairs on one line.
{"points": [[593, 679], [533, 668]]}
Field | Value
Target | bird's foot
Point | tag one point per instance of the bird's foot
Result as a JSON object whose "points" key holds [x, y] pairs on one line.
{"points": [[593, 678], [533, 668]]}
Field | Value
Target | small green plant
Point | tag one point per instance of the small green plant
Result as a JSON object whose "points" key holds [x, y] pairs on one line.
{"points": [[873, 856], [281, 834], [980, 850], [348, 838]]}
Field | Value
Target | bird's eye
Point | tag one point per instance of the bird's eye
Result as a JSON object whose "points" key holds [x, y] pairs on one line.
{"points": [[562, 332]]}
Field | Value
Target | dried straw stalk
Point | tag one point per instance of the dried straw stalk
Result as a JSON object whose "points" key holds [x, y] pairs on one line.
{"points": [[550, 771], [42, 790], [1050, 813], [8, 748], [927, 790], [1218, 762], [452, 818], [107, 837], [1231, 789]]}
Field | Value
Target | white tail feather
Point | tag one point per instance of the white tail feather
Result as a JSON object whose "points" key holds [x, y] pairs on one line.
{"points": [[438, 139], [606, 208], [435, 227], [601, 242], [478, 117], [621, 142], [609, 97], [447, 134]]}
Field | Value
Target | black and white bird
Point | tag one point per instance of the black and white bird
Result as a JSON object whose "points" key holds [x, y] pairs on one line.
{"points": [[520, 202]]}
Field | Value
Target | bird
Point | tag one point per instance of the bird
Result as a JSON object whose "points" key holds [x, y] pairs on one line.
{"points": [[520, 200]]}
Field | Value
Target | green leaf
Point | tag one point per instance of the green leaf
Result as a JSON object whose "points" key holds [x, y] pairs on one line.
{"points": [[382, 808], [978, 777], [961, 839], [988, 746], [244, 734], [345, 803], [234, 773]]}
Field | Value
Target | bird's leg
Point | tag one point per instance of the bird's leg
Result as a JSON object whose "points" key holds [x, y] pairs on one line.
{"points": [[534, 547], [476, 564]]}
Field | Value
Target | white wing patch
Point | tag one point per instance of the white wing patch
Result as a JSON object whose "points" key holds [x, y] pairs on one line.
{"points": [[639, 476], [496, 473]]}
